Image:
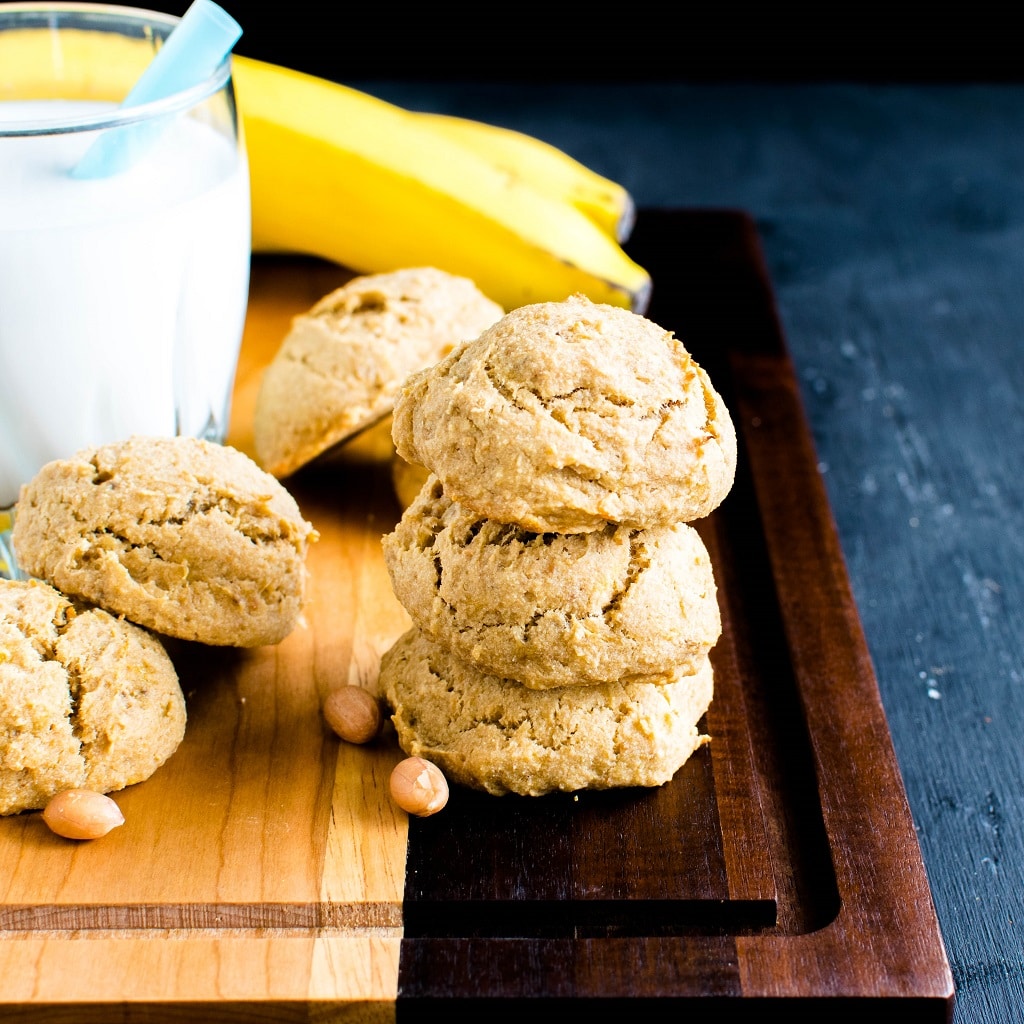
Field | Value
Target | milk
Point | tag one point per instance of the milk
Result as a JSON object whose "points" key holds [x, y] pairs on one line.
{"points": [[122, 299]]}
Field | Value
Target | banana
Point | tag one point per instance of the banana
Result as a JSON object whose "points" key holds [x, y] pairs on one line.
{"points": [[343, 175], [548, 168], [7, 564]]}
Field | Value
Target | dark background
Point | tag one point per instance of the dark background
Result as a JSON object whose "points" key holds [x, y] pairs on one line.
{"points": [[646, 41]]}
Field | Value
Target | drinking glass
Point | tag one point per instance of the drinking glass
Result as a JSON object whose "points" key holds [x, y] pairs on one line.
{"points": [[122, 298]]}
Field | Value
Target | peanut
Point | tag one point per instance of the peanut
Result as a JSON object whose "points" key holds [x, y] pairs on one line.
{"points": [[353, 713], [82, 814], [419, 787]]}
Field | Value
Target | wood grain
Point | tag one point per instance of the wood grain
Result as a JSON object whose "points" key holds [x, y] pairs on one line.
{"points": [[263, 873], [259, 867], [806, 805]]}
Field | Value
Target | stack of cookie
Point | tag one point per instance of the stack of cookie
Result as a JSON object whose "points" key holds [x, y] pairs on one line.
{"points": [[563, 607], [131, 542]]}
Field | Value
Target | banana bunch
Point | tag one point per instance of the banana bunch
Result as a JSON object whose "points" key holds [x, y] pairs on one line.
{"points": [[343, 175], [547, 168]]}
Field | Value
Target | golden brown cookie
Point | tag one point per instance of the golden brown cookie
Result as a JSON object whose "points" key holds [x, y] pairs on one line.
{"points": [[86, 700], [185, 537], [549, 609], [565, 416], [493, 734], [342, 362]]}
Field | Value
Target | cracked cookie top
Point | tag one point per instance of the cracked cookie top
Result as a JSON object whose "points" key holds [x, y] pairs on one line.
{"points": [[86, 700], [550, 609], [185, 537], [564, 416], [341, 364], [492, 734]]}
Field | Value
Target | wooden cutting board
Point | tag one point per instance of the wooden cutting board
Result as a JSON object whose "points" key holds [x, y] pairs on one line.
{"points": [[263, 873]]}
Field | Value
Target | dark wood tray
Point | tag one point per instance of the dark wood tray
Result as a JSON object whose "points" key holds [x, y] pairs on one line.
{"points": [[780, 868]]}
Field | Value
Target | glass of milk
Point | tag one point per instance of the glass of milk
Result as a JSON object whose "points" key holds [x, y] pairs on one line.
{"points": [[122, 299]]}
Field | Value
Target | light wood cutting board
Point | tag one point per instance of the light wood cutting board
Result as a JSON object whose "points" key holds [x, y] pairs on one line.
{"points": [[263, 863]]}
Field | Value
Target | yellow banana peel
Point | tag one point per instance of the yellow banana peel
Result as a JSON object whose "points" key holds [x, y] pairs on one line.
{"points": [[99, 66], [548, 168], [343, 175]]}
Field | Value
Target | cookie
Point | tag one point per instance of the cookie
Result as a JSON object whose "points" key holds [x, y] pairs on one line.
{"points": [[491, 734], [564, 416], [86, 700], [185, 537], [552, 610], [342, 362]]}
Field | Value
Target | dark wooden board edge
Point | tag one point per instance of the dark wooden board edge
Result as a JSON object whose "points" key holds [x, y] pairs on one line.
{"points": [[881, 952]]}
